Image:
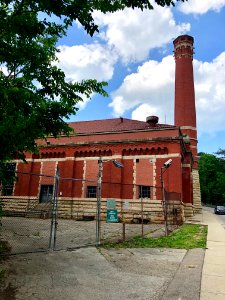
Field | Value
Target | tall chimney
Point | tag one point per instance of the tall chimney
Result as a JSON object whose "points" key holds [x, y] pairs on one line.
{"points": [[184, 82], [185, 114]]}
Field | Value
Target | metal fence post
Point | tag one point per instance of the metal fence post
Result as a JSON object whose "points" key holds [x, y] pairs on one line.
{"points": [[54, 222], [98, 207], [164, 201]]}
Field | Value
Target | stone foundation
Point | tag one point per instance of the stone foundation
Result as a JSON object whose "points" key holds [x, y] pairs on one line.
{"points": [[188, 210], [196, 192], [129, 211], [18, 204]]}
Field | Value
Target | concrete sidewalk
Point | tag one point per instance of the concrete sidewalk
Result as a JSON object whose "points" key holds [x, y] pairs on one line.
{"points": [[213, 272]]}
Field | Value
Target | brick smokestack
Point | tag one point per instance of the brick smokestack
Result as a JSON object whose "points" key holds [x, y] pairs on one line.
{"points": [[185, 113]]}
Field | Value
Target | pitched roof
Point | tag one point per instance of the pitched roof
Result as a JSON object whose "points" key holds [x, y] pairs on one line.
{"points": [[114, 125]]}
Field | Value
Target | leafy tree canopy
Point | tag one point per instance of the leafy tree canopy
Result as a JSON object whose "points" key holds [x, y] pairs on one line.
{"points": [[34, 95], [212, 179]]}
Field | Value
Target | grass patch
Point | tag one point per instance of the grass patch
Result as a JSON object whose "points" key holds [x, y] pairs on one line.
{"points": [[187, 236]]}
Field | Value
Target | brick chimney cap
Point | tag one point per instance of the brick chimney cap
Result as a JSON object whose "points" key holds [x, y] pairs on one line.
{"points": [[152, 119], [184, 37]]}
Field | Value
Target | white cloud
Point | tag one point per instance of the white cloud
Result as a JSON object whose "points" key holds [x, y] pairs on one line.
{"points": [[92, 61], [143, 111], [201, 6], [151, 85], [210, 94], [150, 91], [128, 34], [86, 61], [4, 69], [133, 33], [82, 104]]}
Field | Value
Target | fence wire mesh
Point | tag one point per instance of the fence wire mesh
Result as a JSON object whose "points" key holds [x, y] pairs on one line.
{"points": [[25, 234], [48, 212], [172, 211]]}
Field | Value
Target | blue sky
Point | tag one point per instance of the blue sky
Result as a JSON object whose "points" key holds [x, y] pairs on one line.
{"points": [[133, 52]]}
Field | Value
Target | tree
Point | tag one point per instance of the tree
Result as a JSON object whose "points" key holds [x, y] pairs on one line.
{"points": [[212, 179], [35, 97], [221, 152]]}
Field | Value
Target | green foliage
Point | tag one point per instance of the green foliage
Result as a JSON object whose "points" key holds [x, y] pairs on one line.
{"points": [[188, 236], [35, 98], [212, 179]]}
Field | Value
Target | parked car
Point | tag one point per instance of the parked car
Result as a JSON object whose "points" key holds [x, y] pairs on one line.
{"points": [[220, 210]]}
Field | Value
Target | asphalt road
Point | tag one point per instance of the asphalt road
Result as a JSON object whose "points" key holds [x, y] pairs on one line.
{"points": [[222, 219]]}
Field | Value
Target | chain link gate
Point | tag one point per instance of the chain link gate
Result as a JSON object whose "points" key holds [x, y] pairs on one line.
{"points": [[172, 211], [51, 221]]}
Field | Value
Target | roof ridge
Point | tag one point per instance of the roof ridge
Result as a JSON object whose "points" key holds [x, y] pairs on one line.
{"points": [[113, 125], [100, 120]]}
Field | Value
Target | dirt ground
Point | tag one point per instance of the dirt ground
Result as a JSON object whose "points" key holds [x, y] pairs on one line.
{"points": [[31, 235]]}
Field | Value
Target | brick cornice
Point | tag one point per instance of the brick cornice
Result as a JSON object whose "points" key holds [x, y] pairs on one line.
{"points": [[127, 141]]}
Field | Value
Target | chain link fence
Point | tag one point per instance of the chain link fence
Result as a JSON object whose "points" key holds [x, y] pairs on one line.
{"points": [[173, 212], [49, 212]]}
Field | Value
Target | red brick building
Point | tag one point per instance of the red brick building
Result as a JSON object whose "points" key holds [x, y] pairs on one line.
{"points": [[142, 148]]}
